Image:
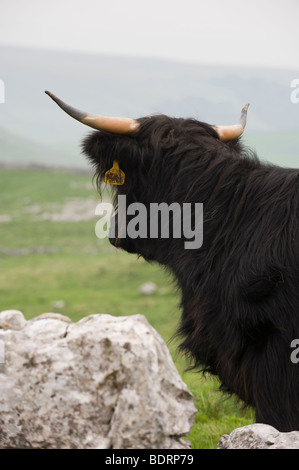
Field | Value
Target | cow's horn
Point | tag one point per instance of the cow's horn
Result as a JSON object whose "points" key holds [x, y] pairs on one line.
{"points": [[117, 125], [226, 133]]}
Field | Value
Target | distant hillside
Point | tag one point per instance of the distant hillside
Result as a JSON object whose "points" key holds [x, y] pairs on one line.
{"points": [[281, 148], [17, 150], [34, 129]]}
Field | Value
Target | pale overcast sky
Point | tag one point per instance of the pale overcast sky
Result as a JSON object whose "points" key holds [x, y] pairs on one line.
{"points": [[231, 32]]}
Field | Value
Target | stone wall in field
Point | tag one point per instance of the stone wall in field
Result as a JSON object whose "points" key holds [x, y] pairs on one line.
{"points": [[103, 382]]}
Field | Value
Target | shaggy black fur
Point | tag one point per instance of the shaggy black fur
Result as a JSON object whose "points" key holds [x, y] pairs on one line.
{"points": [[240, 290]]}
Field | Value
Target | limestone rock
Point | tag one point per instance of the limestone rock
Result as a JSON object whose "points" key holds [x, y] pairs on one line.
{"points": [[147, 288], [53, 316], [103, 382], [12, 319], [259, 436]]}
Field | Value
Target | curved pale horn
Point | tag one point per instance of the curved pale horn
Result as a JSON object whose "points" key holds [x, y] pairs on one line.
{"points": [[226, 133], [117, 125]]}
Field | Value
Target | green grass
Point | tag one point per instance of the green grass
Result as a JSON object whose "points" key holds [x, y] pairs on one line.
{"points": [[45, 261]]}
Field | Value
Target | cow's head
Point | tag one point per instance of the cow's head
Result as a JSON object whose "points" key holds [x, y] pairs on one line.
{"points": [[162, 158]]}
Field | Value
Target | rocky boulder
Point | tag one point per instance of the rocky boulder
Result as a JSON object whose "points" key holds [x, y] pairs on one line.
{"points": [[259, 436], [103, 382]]}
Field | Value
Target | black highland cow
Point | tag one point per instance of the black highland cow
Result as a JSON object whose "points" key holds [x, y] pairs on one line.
{"points": [[240, 290]]}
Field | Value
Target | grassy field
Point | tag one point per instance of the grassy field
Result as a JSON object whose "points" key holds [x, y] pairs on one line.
{"points": [[52, 261]]}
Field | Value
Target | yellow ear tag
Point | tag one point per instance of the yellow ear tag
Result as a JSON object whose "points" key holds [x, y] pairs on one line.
{"points": [[115, 175]]}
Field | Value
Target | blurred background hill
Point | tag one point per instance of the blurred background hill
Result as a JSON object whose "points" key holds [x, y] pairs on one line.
{"points": [[34, 130]]}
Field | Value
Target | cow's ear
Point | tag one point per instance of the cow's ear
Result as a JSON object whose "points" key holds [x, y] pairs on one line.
{"points": [[99, 146], [103, 149]]}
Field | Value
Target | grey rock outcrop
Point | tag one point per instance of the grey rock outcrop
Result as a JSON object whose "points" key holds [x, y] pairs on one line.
{"points": [[103, 382], [147, 288], [259, 436], [12, 320]]}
